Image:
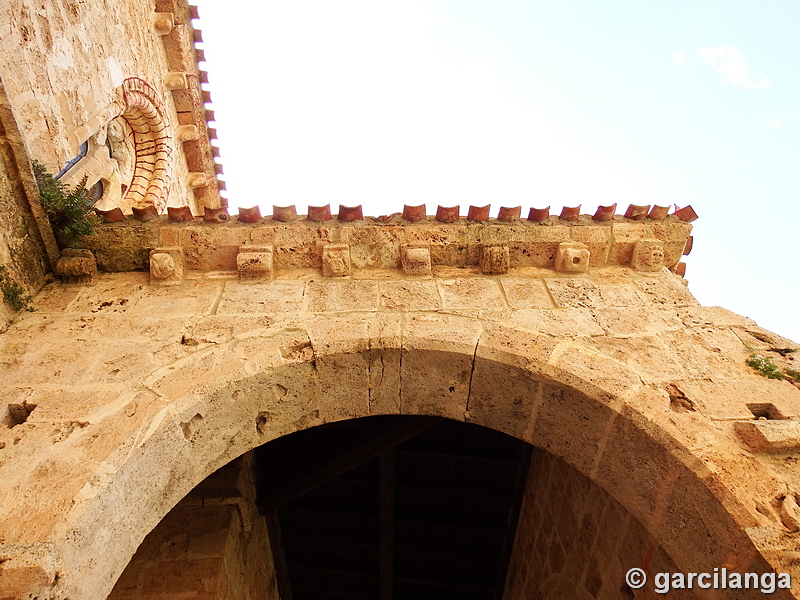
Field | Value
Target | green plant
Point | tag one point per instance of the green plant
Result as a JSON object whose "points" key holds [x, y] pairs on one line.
{"points": [[783, 351], [67, 209], [13, 293], [794, 374], [764, 365]]}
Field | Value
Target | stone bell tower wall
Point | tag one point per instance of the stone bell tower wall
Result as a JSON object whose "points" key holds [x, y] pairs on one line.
{"points": [[65, 66]]}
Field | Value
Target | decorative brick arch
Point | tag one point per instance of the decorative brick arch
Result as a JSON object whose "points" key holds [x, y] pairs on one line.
{"points": [[144, 112], [269, 383]]}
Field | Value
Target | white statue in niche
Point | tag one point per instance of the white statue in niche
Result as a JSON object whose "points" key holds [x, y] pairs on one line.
{"points": [[123, 153], [107, 166]]}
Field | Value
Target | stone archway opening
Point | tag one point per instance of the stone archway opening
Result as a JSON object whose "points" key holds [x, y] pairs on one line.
{"points": [[393, 508]]}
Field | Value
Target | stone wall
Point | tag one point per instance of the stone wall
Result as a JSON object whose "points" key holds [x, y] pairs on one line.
{"points": [[23, 250], [121, 397], [212, 546], [575, 541], [65, 65]]}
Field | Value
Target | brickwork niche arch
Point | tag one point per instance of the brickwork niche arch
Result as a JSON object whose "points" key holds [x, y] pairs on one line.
{"points": [[144, 113], [611, 430], [128, 152]]}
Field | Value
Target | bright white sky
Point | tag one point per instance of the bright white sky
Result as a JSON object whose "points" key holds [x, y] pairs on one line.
{"points": [[527, 102]]}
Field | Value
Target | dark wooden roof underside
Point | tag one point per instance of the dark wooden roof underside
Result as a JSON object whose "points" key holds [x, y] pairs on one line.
{"points": [[392, 508]]}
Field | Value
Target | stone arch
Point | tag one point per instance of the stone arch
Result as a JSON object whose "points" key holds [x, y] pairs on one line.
{"points": [[268, 384]]}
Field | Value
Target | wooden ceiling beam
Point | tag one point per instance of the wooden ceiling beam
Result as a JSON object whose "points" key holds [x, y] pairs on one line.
{"points": [[278, 555], [326, 462], [386, 497]]}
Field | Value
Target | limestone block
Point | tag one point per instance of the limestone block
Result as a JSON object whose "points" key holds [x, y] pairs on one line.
{"points": [[575, 293], [372, 247], [276, 298], [340, 345], [166, 266], [769, 436], [561, 322], [648, 255], [667, 290], [624, 236], [410, 295], [255, 262], [597, 240], [570, 427], [208, 247], [448, 242], [495, 258], [196, 297], [572, 257], [674, 235], [470, 293], [163, 22], [510, 411], [526, 292], [175, 80], [416, 259], [790, 512], [196, 179], [437, 364], [595, 373], [336, 260], [187, 133], [76, 266], [719, 400], [627, 321], [342, 296]]}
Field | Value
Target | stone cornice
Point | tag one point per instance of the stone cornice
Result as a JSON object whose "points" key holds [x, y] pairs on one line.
{"points": [[268, 247]]}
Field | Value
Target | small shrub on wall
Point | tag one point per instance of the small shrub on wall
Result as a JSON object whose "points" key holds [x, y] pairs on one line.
{"points": [[68, 210]]}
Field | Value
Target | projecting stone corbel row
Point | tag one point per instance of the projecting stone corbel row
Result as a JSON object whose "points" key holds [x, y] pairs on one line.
{"points": [[172, 21], [573, 257], [257, 263]]}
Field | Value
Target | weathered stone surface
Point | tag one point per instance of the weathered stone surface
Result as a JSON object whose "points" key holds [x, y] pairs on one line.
{"points": [[416, 259], [76, 266], [410, 295], [341, 296], [572, 257], [526, 293], [273, 298], [470, 293], [167, 266], [494, 258], [667, 290], [769, 436], [574, 293], [382, 245], [618, 374], [336, 260], [567, 322], [255, 263], [648, 255]]}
